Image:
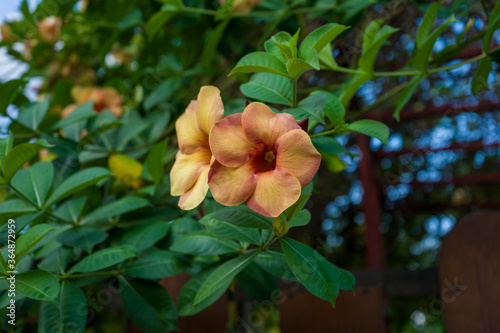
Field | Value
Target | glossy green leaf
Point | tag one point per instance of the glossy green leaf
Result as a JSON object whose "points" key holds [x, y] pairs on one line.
{"points": [[312, 107], [294, 209], [352, 87], [334, 110], [204, 245], [423, 54], [21, 154], [148, 305], [371, 128], [39, 285], [212, 43], [56, 261], [156, 265], [311, 269], [319, 38], [296, 67], [228, 230], [71, 210], [274, 262], [269, 88], [12, 208], [145, 236], [346, 279], [30, 238], [185, 302], [301, 219], [5, 146], [328, 145], [158, 20], [493, 25], [162, 92], [84, 238], [222, 276], [258, 283], [406, 94], [9, 91], [286, 52], [82, 112], [115, 208], [480, 79], [154, 163], [425, 28], [31, 115], [367, 60], [69, 316], [281, 37], [104, 258], [77, 182], [244, 217], [260, 62], [34, 182]]}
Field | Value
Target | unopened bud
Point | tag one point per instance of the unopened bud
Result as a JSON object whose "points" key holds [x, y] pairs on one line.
{"points": [[280, 226]]}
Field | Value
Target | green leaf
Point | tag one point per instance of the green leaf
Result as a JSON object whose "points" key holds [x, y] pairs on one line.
{"points": [[82, 112], [5, 146], [274, 262], [346, 279], [319, 38], [367, 60], [293, 43], [115, 208], [326, 59], [281, 37], [148, 305], [301, 219], [244, 217], [12, 208], [371, 128], [222, 276], [39, 285], [421, 59], [232, 231], [425, 28], [30, 238], [154, 163], [130, 131], [269, 88], [69, 316], [311, 107], [104, 258], [21, 154], [493, 25], [156, 265], [260, 62], [406, 94], [328, 145], [204, 245], [370, 32], [257, 282], [9, 91], [158, 20], [71, 210], [84, 238], [78, 182], [34, 182], [296, 67], [162, 92], [185, 302], [294, 209], [145, 236], [210, 49], [56, 261], [354, 84], [480, 79], [312, 270], [334, 110], [31, 115], [286, 52]]}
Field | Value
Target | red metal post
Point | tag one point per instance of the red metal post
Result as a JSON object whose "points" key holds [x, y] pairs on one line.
{"points": [[372, 200]]}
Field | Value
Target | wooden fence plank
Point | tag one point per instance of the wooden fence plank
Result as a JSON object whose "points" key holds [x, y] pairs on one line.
{"points": [[469, 271]]}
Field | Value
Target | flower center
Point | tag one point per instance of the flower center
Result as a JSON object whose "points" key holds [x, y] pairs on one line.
{"points": [[263, 159], [269, 157]]}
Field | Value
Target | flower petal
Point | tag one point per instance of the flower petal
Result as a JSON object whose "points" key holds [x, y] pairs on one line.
{"points": [[261, 124], [275, 191], [210, 108], [231, 186], [229, 143], [189, 135], [197, 193], [187, 169], [296, 153]]}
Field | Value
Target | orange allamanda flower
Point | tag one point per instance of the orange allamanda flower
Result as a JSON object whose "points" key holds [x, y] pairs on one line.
{"points": [[262, 158], [105, 98], [189, 174]]}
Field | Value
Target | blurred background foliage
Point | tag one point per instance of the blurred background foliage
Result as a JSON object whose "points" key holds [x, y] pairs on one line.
{"points": [[156, 55]]}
